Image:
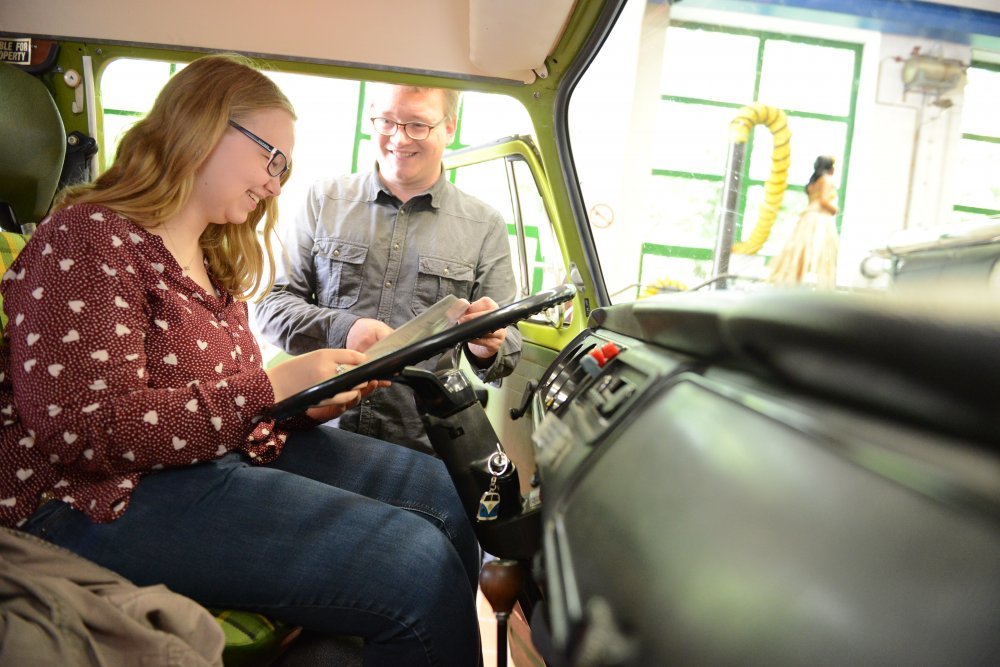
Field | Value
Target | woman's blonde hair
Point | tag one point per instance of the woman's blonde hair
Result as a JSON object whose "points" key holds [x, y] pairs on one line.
{"points": [[154, 170]]}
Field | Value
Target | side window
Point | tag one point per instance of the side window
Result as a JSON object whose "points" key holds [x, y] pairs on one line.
{"points": [[507, 184], [128, 88], [544, 266]]}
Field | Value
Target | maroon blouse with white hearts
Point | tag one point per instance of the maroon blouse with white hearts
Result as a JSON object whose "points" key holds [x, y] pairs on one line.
{"points": [[116, 364]]}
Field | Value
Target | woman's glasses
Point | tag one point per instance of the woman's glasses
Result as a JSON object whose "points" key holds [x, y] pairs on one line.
{"points": [[278, 163]]}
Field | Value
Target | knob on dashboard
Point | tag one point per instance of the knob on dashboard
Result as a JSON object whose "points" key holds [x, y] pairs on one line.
{"points": [[610, 351], [595, 360]]}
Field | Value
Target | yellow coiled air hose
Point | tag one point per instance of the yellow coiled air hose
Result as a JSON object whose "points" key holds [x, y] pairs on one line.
{"points": [[663, 285], [781, 156]]}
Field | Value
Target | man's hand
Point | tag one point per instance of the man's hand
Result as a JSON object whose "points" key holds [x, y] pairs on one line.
{"points": [[365, 332], [487, 346]]}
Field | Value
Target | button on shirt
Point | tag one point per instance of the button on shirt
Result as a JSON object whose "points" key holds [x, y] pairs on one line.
{"points": [[116, 364], [355, 250]]}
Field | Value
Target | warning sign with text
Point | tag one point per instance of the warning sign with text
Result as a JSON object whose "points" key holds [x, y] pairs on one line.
{"points": [[15, 51]]}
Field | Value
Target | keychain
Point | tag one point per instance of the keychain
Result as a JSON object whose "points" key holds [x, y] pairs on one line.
{"points": [[489, 503]]}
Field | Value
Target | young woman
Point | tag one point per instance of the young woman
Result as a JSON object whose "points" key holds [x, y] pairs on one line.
{"points": [[131, 387], [810, 256]]}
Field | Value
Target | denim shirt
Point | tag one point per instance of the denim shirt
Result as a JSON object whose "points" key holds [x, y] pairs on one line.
{"points": [[356, 251]]}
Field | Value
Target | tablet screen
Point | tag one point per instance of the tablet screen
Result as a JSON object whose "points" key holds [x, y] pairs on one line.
{"points": [[437, 318]]}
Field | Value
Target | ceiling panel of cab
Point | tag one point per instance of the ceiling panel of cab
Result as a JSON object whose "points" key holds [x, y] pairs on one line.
{"points": [[507, 40]]}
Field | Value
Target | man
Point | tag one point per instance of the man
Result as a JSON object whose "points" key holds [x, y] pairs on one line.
{"points": [[370, 251]]}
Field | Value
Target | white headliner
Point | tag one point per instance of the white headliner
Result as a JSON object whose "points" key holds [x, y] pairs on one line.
{"points": [[506, 39]]}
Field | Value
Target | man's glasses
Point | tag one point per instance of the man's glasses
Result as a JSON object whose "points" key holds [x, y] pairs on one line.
{"points": [[278, 163], [415, 131]]}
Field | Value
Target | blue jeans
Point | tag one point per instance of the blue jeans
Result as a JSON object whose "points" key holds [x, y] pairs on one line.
{"points": [[342, 534]]}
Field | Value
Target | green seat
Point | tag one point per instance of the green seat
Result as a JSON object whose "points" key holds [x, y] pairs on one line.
{"points": [[10, 245], [32, 147], [252, 639]]}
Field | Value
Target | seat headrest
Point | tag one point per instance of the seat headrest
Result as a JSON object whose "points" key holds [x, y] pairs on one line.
{"points": [[32, 144]]}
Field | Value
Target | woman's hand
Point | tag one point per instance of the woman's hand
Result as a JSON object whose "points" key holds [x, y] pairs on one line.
{"points": [[340, 403], [306, 370]]}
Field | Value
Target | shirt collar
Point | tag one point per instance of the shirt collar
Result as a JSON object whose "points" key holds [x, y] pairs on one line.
{"points": [[435, 194]]}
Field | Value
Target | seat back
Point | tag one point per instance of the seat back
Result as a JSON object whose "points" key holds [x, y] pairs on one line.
{"points": [[32, 146]]}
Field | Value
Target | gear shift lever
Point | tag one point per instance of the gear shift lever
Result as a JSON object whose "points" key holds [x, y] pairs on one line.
{"points": [[501, 582]]}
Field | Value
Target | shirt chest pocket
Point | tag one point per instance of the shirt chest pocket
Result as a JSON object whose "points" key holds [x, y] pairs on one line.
{"points": [[438, 277], [339, 271]]}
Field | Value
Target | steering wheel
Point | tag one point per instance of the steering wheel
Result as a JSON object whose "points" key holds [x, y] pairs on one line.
{"points": [[385, 367]]}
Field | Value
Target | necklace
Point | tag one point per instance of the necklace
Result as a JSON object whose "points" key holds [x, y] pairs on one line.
{"points": [[175, 251]]}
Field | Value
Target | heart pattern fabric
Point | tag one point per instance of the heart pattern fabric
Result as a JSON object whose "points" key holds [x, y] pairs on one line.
{"points": [[129, 365]]}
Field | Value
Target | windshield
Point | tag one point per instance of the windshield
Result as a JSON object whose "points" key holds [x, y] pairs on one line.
{"points": [[904, 114]]}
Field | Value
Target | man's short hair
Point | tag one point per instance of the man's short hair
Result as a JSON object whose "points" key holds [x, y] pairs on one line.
{"points": [[451, 99], [451, 96]]}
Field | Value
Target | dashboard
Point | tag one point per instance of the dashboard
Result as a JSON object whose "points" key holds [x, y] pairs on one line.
{"points": [[771, 479]]}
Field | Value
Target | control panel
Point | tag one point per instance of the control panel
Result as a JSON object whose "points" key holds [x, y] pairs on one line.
{"points": [[596, 382]]}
